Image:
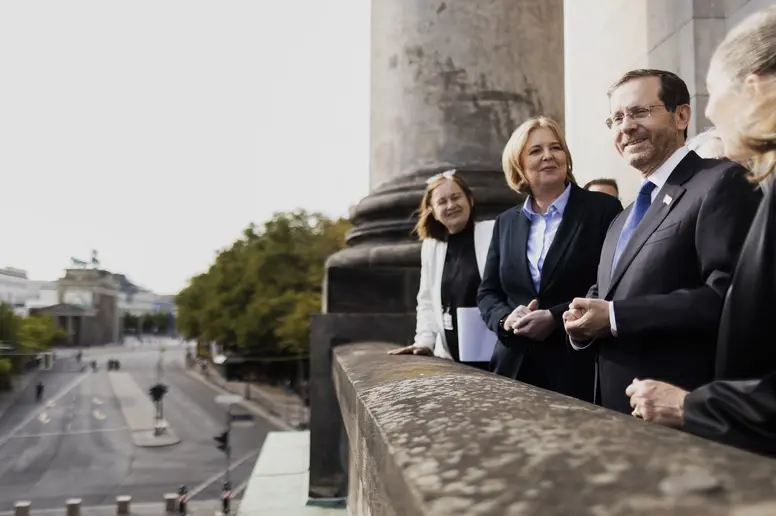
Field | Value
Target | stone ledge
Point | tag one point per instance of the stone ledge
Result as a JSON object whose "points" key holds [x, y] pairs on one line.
{"points": [[431, 437]]}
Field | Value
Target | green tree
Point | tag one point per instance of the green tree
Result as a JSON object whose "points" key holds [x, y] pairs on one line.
{"points": [[39, 333], [9, 324], [5, 374], [259, 293], [131, 322], [27, 335]]}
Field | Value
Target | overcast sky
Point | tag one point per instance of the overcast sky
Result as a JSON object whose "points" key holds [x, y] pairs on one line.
{"points": [[156, 131]]}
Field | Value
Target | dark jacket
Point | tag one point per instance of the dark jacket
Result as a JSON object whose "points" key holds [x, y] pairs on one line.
{"points": [[569, 270], [670, 282], [740, 407]]}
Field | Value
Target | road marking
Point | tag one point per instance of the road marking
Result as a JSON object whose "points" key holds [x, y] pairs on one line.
{"points": [[77, 432], [218, 476], [97, 401], [51, 404], [99, 415], [43, 418], [26, 421]]}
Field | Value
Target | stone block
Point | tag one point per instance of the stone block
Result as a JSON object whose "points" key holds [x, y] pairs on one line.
{"points": [[431, 437]]}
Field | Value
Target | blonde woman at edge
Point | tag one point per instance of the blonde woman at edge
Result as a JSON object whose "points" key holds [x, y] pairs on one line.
{"points": [[739, 407], [452, 259]]}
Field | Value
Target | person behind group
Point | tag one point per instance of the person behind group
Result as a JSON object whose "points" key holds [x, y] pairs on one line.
{"points": [[668, 259], [452, 259], [604, 185], [740, 407], [707, 144], [544, 252]]}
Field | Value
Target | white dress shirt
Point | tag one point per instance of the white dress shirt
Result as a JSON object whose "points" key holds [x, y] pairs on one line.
{"points": [[544, 226]]}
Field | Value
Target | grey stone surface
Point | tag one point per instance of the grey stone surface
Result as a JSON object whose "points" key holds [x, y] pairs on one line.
{"points": [[138, 411], [430, 437], [451, 80]]}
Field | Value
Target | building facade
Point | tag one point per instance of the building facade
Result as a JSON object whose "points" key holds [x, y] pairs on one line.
{"points": [[605, 38], [14, 288]]}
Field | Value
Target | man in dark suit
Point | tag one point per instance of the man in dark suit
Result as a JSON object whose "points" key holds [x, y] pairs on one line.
{"points": [[667, 260]]}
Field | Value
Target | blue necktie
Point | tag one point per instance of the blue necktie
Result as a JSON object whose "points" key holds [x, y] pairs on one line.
{"points": [[640, 207]]}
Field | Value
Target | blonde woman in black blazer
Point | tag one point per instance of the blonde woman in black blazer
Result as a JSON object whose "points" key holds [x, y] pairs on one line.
{"points": [[543, 254]]}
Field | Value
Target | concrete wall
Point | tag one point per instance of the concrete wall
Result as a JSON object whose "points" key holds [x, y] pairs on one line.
{"points": [[604, 38]]}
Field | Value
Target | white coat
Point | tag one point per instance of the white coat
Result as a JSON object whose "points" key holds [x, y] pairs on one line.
{"points": [[429, 329]]}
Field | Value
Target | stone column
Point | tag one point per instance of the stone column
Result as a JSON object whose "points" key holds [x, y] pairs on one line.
{"points": [[450, 82]]}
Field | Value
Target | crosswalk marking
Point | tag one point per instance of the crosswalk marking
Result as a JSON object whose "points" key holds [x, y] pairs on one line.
{"points": [[72, 385]]}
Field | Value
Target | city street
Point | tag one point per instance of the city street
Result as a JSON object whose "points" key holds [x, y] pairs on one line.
{"points": [[76, 443]]}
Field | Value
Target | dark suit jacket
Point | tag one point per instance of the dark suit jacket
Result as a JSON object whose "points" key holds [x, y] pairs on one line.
{"points": [[739, 413], [568, 271], [743, 413], [670, 281]]}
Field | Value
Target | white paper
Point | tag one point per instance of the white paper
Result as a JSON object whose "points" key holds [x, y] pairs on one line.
{"points": [[475, 340]]}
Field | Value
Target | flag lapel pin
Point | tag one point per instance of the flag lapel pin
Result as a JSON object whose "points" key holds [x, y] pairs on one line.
{"points": [[667, 200]]}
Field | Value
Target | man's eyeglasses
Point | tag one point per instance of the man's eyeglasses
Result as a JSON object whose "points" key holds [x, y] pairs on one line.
{"points": [[448, 174], [638, 114]]}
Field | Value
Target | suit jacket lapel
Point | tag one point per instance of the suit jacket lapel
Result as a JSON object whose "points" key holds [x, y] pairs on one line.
{"points": [[607, 251], [664, 202], [569, 225], [520, 246]]}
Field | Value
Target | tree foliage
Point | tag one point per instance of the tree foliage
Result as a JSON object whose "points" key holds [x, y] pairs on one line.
{"points": [[259, 294], [39, 332], [158, 323], [26, 336]]}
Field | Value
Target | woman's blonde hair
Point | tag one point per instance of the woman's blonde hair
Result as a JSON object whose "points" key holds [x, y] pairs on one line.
{"points": [[750, 49], [510, 159], [428, 226]]}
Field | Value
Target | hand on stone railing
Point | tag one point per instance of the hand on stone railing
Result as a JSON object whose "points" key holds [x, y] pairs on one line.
{"points": [[415, 349]]}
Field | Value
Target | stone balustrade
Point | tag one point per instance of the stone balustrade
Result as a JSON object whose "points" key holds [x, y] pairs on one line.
{"points": [[431, 437]]}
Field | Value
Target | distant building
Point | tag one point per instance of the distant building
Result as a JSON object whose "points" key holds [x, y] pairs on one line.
{"points": [[90, 303], [14, 288], [86, 306]]}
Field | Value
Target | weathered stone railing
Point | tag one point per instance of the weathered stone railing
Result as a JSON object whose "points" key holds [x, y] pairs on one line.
{"points": [[430, 437]]}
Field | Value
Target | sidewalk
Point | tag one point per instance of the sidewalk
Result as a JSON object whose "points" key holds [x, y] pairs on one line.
{"points": [[280, 480], [289, 408], [138, 411]]}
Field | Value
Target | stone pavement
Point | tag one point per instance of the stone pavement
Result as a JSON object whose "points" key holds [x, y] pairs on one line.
{"points": [[280, 480], [286, 407], [138, 411]]}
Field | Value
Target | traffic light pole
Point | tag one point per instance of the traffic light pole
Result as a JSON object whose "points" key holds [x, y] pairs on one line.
{"points": [[229, 442]]}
